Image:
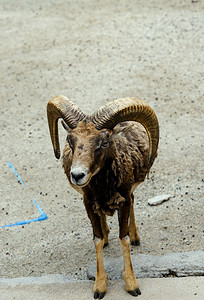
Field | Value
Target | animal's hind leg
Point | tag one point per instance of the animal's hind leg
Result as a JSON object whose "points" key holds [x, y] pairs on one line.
{"points": [[133, 228], [105, 229]]}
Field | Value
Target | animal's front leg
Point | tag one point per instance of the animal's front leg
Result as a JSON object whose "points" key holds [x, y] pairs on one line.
{"points": [[131, 283], [101, 276]]}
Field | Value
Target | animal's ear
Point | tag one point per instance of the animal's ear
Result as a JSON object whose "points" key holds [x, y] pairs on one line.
{"points": [[66, 127]]}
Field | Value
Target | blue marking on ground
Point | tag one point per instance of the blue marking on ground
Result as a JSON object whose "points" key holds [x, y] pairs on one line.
{"points": [[42, 216], [14, 171]]}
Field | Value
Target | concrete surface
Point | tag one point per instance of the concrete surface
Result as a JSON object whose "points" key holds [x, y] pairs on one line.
{"points": [[186, 288], [94, 52], [144, 265]]}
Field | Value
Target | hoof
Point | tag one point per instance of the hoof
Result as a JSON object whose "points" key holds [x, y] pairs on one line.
{"points": [[135, 243], [135, 293], [98, 295]]}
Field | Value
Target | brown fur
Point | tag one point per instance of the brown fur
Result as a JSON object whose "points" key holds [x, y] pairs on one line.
{"points": [[117, 162]]}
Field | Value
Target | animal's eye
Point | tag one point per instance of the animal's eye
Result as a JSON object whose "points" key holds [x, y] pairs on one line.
{"points": [[101, 146]]}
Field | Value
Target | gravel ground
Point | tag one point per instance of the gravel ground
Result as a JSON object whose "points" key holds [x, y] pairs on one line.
{"points": [[94, 52]]}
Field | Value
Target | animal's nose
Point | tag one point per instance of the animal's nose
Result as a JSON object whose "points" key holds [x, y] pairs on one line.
{"points": [[77, 176]]}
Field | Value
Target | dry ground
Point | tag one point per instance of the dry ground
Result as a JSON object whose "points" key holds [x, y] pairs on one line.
{"points": [[94, 52]]}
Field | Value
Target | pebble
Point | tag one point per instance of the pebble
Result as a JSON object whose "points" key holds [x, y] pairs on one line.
{"points": [[159, 199]]}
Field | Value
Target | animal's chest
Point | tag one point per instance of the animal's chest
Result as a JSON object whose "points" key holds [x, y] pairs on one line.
{"points": [[105, 192]]}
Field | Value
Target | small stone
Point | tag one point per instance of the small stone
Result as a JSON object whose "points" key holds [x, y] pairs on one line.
{"points": [[159, 199]]}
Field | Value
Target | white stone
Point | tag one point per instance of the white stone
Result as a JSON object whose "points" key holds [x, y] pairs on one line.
{"points": [[159, 199]]}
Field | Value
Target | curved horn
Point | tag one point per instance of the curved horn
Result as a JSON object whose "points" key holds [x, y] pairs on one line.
{"points": [[130, 109], [61, 107]]}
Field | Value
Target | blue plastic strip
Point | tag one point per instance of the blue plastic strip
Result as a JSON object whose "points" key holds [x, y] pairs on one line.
{"points": [[42, 216]]}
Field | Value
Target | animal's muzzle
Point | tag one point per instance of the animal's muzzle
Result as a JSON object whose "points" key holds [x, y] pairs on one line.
{"points": [[79, 175]]}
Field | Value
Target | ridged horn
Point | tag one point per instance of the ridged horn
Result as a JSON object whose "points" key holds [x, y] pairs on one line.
{"points": [[130, 109], [61, 107]]}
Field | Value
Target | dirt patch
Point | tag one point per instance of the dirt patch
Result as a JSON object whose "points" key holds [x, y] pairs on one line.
{"points": [[94, 52]]}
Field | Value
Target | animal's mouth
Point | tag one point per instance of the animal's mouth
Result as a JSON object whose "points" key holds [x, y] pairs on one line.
{"points": [[83, 184], [80, 182], [80, 176], [89, 176]]}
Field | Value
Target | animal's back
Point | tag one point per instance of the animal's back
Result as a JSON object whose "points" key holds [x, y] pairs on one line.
{"points": [[132, 146]]}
